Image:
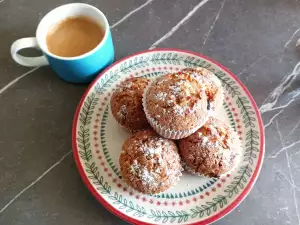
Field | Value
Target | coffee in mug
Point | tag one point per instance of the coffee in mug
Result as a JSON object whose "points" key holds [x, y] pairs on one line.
{"points": [[75, 40], [74, 36]]}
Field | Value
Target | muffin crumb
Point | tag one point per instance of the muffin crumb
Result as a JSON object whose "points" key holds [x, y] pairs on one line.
{"points": [[126, 104], [175, 102], [212, 85], [212, 150], [149, 163]]}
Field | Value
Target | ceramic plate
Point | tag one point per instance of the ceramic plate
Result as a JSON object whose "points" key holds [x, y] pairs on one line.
{"points": [[97, 142]]}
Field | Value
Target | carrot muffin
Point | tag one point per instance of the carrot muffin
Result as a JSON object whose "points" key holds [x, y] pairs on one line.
{"points": [[126, 104], [212, 150], [149, 163], [213, 87], [175, 105]]}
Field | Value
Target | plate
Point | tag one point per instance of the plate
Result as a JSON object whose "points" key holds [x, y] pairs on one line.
{"points": [[97, 142]]}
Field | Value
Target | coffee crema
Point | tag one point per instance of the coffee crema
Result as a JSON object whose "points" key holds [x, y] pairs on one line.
{"points": [[74, 36]]}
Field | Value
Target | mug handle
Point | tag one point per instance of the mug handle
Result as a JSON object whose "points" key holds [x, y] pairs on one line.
{"points": [[22, 43]]}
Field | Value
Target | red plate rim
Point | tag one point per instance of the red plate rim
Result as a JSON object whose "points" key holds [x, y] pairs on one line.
{"points": [[211, 219]]}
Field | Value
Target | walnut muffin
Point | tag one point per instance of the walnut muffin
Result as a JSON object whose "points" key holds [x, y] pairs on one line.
{"points": [[175, 105], [149, 163], [212, 150], [126, 104], [213, 87]]}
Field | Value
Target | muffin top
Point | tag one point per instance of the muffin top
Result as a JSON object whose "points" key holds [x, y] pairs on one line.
{"points": [[212, 150], [149, 163], [126, 104], [211, 84], [176, 101]]}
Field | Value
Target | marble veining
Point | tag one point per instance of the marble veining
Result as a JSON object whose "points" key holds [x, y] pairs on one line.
{"points": [[290, 171], [16, 80], [39, 182], [213, 24], [130, 13], [252, 64], [35, 181], [271, 100], [178, 25]]}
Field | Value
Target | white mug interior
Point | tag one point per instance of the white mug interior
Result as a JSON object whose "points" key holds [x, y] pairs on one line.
{"points": [[63, 12]]}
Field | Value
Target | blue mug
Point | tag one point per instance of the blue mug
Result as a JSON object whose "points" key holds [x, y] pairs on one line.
{"points": [[79, 69]]}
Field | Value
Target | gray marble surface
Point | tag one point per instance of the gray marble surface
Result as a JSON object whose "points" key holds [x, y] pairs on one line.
{"points": [[39, 182]]}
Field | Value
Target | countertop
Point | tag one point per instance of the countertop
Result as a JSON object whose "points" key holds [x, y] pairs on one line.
{"points": [[256, 40]]}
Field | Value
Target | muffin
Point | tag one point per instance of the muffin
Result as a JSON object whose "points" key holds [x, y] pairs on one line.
{"points": [[212, 150], [149, 163], [175, 105], [126, 104], [213, 87]]}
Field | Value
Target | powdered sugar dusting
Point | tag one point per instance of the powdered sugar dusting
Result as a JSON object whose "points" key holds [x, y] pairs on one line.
{"points": [[226, 155], [203, 80], [160, 96], [127, 84], [175, 88], [170, 101], [204, 141], [152, 168], [212, 138], [152, 151], [122, 112], [179, 110], [204, 76], [152, 147], [148, 178]]}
